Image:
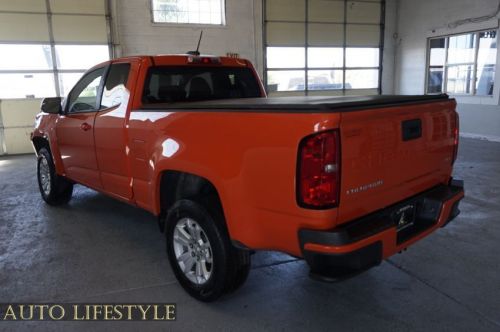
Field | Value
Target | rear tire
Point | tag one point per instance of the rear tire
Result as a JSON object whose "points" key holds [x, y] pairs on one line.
{"points": [[201, 254], [55, 189]]}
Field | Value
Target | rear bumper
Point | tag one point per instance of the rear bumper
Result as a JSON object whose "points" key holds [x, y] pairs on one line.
{"points": [[365, 242]]}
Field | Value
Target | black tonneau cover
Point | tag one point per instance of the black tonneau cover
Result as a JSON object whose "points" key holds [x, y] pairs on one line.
{"points": [[299, 104]]}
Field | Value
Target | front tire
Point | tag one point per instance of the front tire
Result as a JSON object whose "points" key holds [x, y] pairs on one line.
{"points": [[200, 252], [55, 189]]}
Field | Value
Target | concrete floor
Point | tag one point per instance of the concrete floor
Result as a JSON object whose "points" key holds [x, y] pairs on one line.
{"points": [[99, 250]]}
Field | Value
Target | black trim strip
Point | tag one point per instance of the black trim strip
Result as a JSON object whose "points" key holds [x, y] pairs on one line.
{"points": [[296, 104]]}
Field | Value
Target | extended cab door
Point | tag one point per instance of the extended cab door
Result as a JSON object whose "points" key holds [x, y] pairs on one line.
{"points": [[110, 130], [75, 130]]}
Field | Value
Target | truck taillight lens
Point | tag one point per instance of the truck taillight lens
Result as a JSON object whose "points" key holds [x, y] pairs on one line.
{"points": [[456, 133], [318, 178]]}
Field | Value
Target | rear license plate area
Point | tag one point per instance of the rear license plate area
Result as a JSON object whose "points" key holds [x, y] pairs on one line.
{"points": [[414, 217]]}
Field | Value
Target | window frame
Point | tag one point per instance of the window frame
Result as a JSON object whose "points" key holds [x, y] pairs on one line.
{"points": [[446, 65], [223, 23]]}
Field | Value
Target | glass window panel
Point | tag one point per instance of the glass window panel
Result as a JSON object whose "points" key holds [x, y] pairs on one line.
{"points": [[189, 11], [437, 54], [435, 80], [25, 57], [81, 56], [67, 81], [115, 90], [486, 60], [461, 49], [286, 57], [324, 79], [485, 80], [325, 57], [27, 85], [361, 79], [83, 97], [460, 79], [362, 57], [286, 80]]}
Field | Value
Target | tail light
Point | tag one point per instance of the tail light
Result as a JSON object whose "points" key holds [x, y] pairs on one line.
{"points": [[318, 178], [456, 133]]}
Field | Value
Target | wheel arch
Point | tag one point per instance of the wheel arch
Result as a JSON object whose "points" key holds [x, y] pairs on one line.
{"points": [[40, 142], [176, 185]]}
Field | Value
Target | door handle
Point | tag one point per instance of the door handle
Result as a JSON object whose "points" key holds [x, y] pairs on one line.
{"points": [[85, 126]]}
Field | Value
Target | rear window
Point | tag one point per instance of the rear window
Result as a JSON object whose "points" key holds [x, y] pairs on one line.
{"points": [[177, 84]]}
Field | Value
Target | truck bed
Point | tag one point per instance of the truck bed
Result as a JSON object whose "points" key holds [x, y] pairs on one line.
{"points": [[300, 104]]}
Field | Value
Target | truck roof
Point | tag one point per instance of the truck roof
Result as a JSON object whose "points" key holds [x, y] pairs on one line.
{"points": [[182, 59]]}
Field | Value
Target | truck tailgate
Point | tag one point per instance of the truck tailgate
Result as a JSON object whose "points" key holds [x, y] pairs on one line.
{"points": [[390, 154]]}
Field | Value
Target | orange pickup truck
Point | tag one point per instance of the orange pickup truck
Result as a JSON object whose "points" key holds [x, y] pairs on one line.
{"points": [[343, 182]]}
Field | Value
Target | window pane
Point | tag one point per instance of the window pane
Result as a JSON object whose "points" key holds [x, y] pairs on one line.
{"points": [[84, 96], [67, 81], [324, 57], [361, 79], [286, 57], [461, 49], [460, 79], [81, 56], [115, 89], [485, 80], [324, 79], [437, 52], [27, 85], [362, 57], [166, 84], [189, 11], [435, 80], [486, 60], [25, 57], [289, 80]]}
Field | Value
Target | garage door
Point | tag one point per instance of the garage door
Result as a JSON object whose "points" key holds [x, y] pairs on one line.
{"points": [[45, 47], [323, 47]]}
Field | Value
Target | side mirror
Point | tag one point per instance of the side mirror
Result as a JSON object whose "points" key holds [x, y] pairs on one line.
{"points": [[51, 105]]}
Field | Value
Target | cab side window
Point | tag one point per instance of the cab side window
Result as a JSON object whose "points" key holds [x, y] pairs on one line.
{"points": [[115, 90], [83, 97]]}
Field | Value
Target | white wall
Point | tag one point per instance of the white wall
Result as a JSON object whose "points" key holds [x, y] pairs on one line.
{"points": [[419, 20], [241, 34]]}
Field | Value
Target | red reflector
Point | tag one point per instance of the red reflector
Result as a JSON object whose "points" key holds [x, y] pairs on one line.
{"points": [[319, 171], [204, 60]]}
